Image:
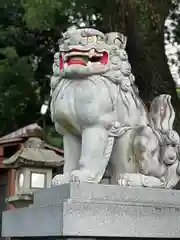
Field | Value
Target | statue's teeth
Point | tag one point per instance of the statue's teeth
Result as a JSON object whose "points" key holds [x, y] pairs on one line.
{"points": [[91, 53], [89, 63], [65, 58], [65, 65]]}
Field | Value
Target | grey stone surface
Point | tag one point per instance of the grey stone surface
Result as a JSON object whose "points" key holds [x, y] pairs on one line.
{"points": [[100, 192], [88, 210], [28, 222], [120, 220], [93, 219]]}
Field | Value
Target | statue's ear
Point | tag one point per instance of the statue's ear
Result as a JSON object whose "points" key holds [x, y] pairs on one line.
{"points": [[123, 40], [115, 38], [60, 41]]}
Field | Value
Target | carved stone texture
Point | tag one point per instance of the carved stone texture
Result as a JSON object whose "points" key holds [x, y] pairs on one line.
{"points": [[96, 211], [96, 107]]}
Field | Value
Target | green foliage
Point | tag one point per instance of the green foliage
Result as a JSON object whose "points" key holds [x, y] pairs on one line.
{"points": [[42, 14], [9, 53], [29, 30], [53, 138], [18, 100]]}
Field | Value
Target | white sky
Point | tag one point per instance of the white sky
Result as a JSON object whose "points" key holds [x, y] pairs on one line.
{"points": [[172, 48]]}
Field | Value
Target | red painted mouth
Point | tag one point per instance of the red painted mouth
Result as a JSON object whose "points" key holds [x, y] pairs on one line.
{"points": [[84, 58], [76, 61]]}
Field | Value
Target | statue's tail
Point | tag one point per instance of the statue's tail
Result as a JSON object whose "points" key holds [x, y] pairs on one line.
{"points": [[162, 114]]}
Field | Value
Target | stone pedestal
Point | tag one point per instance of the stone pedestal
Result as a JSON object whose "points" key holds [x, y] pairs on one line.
{"points": [[95, 211]]}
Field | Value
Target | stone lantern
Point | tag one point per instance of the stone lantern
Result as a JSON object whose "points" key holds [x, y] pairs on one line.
{"points": [[34, 165]]}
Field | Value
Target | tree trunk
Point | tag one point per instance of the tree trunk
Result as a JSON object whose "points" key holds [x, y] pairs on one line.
{"points": [[142, 21]]}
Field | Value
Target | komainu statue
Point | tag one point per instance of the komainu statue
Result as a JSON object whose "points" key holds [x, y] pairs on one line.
{"points": [[96, 107]]}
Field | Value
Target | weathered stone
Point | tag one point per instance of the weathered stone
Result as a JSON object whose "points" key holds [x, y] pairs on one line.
{"points": [[89, 210], [108, 193]]}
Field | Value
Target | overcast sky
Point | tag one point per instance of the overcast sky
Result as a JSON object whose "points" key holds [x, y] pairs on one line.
{"points": [[172, 48]]}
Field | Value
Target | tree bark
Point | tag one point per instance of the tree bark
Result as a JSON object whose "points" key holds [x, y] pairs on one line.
{"points": [[142, 21]]}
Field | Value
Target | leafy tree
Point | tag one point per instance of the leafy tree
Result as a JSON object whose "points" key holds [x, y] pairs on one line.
{"points": [[29, 30], [25, 61], [18, 99], [143, 23]]}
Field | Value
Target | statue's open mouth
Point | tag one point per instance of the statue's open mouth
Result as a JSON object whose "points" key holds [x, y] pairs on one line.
{"points": [[84, 58]]}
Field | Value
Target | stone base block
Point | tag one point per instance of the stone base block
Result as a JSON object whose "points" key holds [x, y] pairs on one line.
{"points": [[88, 210]]}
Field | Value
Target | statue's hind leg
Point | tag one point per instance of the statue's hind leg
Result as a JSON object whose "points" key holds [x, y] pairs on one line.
{"points": [[72, 150], [93, 159]]}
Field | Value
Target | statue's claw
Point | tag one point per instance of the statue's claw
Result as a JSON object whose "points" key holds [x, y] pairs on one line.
{"points": [[61, 179], [140, 180], [130, 179], [81, 176]]}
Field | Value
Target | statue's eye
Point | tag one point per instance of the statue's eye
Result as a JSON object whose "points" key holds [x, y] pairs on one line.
{"points": [[92, 39]]}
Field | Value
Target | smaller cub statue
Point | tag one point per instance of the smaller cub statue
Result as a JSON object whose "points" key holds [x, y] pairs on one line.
{"points": [[150, 154]]}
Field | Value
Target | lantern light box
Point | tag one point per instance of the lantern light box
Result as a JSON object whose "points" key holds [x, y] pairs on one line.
{"points": [[34, 165]]}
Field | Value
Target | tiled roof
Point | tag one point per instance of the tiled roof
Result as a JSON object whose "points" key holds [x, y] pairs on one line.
{"points": [[32, 130], [39, 155]]}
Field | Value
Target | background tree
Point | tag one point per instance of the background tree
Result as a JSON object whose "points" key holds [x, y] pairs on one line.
{"points": [[29, 33], [18, 98]]}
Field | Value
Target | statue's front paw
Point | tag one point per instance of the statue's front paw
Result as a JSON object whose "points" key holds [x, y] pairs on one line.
{"points": [[81, 176], [124, 180], [140, 180], [61, 179]]}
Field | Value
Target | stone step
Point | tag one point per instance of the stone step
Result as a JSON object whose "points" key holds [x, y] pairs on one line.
{"points": [[100, 192], [90, 219]]}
